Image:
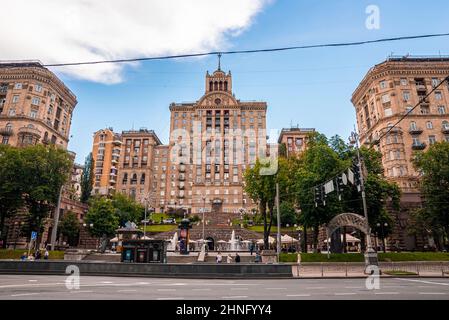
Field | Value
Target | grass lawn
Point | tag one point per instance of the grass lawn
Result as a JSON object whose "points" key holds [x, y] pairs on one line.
{"points": [[399, 273], [273, 229], [358, 257], [15, 254], [157, 216], [161, 227]]}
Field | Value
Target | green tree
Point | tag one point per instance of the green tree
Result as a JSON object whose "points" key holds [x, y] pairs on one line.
{"points": [[45, 170], [10, 184], [287, 213], [127, 209], [434, 166], [69, 226], [104, 219], [87, 178]]}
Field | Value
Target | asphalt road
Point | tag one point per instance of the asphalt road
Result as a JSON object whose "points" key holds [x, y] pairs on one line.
{"points": [[20, 287]]}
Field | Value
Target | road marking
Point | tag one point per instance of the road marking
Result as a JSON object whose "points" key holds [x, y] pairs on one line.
{"points": [[345, 293], [32, 280], [201, 289], [298, 295], [23, 294], [353, 287], [315, 288], [80, 291], [422, 281], [126, 290], [107, 282], [239, 289], [235, 297], [276, 288], [433, 293], [166, 289], [386, 292]]}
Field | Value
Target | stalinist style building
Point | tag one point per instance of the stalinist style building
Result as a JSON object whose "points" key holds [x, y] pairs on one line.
{"points": [[212, 142]]}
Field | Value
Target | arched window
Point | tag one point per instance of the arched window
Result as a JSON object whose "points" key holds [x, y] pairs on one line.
{"points": [[216, 86], [220, 86], [225, 86], [142, 178], [445, 125], [134, 179], [8, 127], [211, 86], [125, 178], [412, 125], [45, 136]]}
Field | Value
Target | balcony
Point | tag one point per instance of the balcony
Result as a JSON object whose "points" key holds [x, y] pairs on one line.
{"points": [[6, 132], [419, 146], [182, 168], [415, 131], [421, 86], [30, 130], [117, 142], [181, 186], [112, 180], [445, 129], [181, 177]]}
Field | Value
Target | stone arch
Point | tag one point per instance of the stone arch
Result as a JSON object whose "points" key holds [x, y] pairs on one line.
{"points": [[348, 220]]}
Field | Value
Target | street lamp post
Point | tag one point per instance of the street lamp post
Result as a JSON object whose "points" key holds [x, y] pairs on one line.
{"points": [[204, 209], [370, 254]]}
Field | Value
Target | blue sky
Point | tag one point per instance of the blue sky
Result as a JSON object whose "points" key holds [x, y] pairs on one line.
{"points": [[311, 88]]}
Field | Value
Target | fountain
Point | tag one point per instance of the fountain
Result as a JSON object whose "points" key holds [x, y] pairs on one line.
{"points": [[173, 242], [233, 241]]}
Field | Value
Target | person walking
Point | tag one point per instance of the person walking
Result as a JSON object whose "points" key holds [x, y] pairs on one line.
{"points": [[251, 248], [219, 258], [46, 254], [258, 257], [24, 256], [237, 258], [228, 258]]}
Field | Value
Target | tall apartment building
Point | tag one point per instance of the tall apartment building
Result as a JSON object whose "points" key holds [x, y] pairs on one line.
{"points": [[35, 106], [136, 163], [212, 142], [295, 139], [388, 91], [106, 151]]}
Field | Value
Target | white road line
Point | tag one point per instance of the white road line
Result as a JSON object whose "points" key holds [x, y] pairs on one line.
{"points": [[166, 289], [345, 293], [201, 289], [24, 294], [386, 293], [276, 288], [235, 297], [298, 295], [239, 289], [107, 282], [422, 281], [126, 290], [433, 293], [32, 280]]}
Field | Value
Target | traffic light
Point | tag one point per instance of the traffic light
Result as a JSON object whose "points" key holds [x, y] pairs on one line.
{"points": [[357, 177], [317, 196]]}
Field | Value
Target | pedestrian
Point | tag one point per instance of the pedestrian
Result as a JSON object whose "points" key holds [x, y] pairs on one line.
{"points": [[228, 258], [46, 254], [23, 257], [237, 258], [219, 258], [251, 248], [258, 257], [37, 254], [299, 259], [30, 257]]}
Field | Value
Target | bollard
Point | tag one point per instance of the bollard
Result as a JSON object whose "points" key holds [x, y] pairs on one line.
{"points": [[322, 271], [346, 269]]}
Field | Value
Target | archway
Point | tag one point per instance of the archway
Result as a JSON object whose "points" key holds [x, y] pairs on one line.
{"points": [[210, 243], [346, 220]]}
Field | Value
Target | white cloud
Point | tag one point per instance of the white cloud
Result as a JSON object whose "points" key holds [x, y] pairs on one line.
{"points": [[56, 31]]}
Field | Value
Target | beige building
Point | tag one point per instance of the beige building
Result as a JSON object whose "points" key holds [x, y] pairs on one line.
{"points": [[390, 90], [136, 164], [295, 139], [35, 106], [106, 151], [386, 94], [212, 142]]}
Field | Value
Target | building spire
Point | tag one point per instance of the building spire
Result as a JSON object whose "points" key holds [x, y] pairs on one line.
{"points": [[219, 62]]}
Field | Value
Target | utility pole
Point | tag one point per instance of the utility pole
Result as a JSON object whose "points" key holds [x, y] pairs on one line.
{"points": [[279, 222], [145, 219], [54, 231], [370, 254]]}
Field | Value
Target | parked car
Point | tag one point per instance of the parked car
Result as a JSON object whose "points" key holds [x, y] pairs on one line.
{"points": [[169, 220]]}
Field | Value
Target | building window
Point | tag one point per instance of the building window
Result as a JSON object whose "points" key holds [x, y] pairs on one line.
{"points": [[33, 113], [429, 125], [142, 178], [435, 82], [438, 95], [35, 101], [15, 98], [441, 109], [12, 112], [38, 87], [432, 140], [18, 86], [388, 112], [404, 81], [413, 125], [385, 98], [383, 84], [406, 95]]}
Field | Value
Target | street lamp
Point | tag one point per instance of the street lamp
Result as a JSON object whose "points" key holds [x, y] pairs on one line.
{"points": [[204, 209], [370, 254], [381, 226]]}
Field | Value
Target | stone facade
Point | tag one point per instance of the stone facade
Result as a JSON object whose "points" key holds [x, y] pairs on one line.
{"points": [[387, 93], [35, 106], [295, 139]]}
